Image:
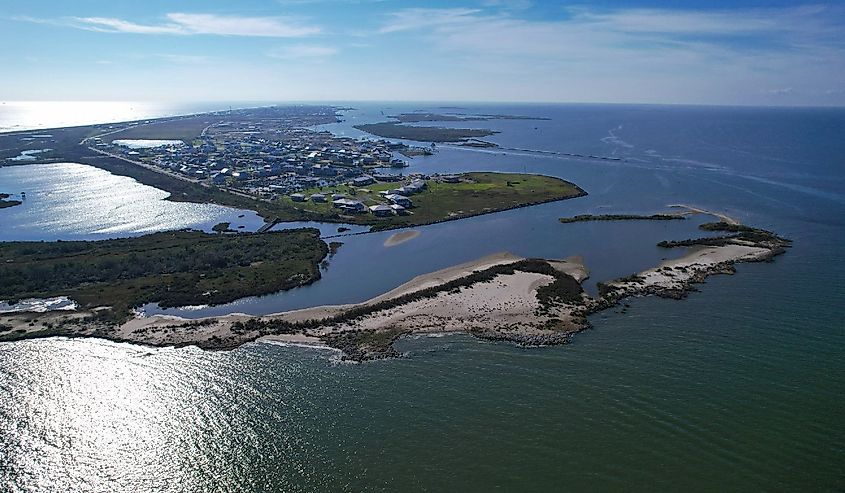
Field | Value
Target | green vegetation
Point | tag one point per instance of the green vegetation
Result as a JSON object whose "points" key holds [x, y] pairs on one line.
{"points": [[366, 344], [185, 129], [172, 269], [740, 234], [394, 130], [620, 217], [222, 228], [475, 194], [7, 203]]}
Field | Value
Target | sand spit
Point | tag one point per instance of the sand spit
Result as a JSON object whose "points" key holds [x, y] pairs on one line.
{"points": [[498, 297], [697, 210], [401, 237]]}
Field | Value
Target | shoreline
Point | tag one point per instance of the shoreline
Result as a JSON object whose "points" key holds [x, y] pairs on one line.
{"points": [[502, 297]]}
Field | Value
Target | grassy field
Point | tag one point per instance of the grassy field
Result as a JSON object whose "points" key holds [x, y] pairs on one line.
{"points": [[393, 130], [172, 268], [477, 193], [184, 129]]}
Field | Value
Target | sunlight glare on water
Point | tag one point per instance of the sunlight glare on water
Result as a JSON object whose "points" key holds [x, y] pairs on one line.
{"points": [[29, 115], [69, 199]]}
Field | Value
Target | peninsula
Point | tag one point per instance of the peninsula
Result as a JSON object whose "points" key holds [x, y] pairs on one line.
{"points": [[109, 278], [271, 161], [500, 297], [387, 204]]}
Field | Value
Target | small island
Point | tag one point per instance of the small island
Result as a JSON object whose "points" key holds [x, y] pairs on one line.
{"points": [[621, 217], [6, 202], [398, 130]]}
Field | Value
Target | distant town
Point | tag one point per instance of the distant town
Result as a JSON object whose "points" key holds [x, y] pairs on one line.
{"points": [[268, 158], [279, 162]]}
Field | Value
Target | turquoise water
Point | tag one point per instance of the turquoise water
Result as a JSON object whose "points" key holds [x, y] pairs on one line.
{"points": [[739, 387]]}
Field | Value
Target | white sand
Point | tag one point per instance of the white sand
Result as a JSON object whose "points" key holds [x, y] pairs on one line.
{"points": [[401, 237], [675, 274], [698, 210]]}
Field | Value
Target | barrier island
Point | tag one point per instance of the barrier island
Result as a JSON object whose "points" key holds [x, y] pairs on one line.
{"points": [[501, 297]]}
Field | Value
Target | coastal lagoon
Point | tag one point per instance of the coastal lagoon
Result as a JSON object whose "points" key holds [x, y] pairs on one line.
{"points": [[80, 202], [737, 387]]}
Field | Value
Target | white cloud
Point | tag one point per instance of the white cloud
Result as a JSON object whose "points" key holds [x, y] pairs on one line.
{"points": [[298, 52], [419, 18], [107, 24], [673, 55], [508, 4], [191, 24], [242, 26]]}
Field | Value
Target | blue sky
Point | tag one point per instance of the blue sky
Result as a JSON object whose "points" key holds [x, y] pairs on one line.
{"points": [[714, 52]]}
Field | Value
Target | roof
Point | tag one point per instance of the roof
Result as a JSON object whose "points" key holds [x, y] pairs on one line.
{"points": [[397, 198], [348, 202]]}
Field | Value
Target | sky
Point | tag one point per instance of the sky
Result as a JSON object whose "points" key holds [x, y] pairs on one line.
{"points": [[741, 52]]}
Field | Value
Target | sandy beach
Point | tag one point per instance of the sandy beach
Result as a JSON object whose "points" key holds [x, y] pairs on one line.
{"points": [[697, 210], [495, 297]]}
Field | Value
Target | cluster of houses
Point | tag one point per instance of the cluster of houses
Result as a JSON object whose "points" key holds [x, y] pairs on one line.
{"points": [[267, 158], [394, 201]]}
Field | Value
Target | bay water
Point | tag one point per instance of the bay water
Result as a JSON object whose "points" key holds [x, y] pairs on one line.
{"points": [[738, 387]]}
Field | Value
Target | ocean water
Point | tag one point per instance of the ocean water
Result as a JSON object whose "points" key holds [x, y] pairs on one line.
{"points": [[738, 387], [34, 115]]}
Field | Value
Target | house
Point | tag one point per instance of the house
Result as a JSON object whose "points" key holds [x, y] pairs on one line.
{"points": [[318, 197], [363, 181], [349, 205], [387, 177], [297, 197], [338, 196], [398, 209], [323, 170], [381, 210], [400, 200], [450, 178]]}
